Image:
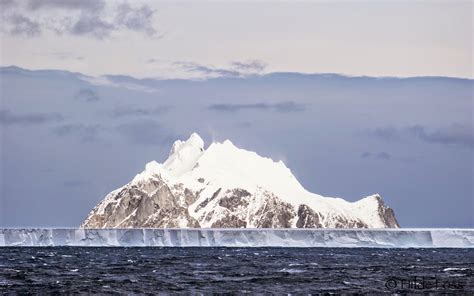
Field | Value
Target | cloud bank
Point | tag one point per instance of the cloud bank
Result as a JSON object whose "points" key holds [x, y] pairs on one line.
{"points": [[455, 134], [282, 107], [88, 18], [9, 118], [235, 69]]}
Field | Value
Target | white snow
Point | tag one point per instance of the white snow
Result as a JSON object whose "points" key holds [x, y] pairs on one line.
{"points": [[225, 166]]}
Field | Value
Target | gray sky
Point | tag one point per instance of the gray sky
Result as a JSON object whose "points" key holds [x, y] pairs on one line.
{"points": [[66, 142], [157, 39], [67, 139]]}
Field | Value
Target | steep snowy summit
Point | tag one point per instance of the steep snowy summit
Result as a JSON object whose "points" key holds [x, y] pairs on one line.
{"points": [[225, 186]]}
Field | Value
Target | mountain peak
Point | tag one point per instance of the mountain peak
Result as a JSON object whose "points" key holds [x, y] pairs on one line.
{"points": [[196, 140], [226, 186], [184, 155]]}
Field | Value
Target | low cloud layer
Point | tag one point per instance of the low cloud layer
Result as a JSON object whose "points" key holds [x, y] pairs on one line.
{"points": [[376, 155], [146, 132], [87, 95], [9, 118], [83, 132], [235, 69], [278, 107], [255, 66], [125, 111], [451, 135], [89, 18], [455, 134]]}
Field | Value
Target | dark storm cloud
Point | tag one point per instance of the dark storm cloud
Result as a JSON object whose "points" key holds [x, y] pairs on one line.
{"points": [[279, 107], [456, 134], [124, 111], [9, 118], [87, 95], [23, 26], [377, 155], [85, 133], [146, 132], [89, 18]]}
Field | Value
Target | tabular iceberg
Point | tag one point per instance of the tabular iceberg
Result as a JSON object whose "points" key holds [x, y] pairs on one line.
{"points": [[390, 238]]}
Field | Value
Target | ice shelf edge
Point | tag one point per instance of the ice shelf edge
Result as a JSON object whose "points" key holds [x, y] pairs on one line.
{"points": [[196, 237]]}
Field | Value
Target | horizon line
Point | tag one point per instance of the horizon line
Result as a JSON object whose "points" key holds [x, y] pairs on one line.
{"points": [[244, 75]]}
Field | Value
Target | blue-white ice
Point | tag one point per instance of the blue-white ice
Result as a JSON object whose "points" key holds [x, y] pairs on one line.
{"points": [[398, 238]]}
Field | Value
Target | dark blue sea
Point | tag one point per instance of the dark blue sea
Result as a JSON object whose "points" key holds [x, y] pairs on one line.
{"points": [[153, 270]]}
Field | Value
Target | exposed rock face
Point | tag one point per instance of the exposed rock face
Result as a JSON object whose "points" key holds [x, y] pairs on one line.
{"points": [[146, 204], [227, 187], [387, 214], [307, 218]]}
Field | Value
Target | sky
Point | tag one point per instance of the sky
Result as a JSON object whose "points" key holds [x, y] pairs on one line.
{"points": [[166, 39], [121, 81]]}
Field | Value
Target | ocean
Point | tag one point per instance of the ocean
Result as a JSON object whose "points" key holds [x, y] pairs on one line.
{"points": [[198, 270]]}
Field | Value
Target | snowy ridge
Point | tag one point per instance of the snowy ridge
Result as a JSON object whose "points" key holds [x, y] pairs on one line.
{"points": [[225, 186]]}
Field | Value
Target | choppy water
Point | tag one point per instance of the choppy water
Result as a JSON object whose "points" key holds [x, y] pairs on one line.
{"points": [[208, 270]]}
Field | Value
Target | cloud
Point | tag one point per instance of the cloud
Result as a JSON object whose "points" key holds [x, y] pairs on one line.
{"points": [[235, 69], [207, 71], [146, 132], [87, 95], [22, 25], [139, 19], [455, 134], [110, 81], [92, 25], [250, 66], [7, 4], [64, 56], [385, 133], [377, 155], [85, 5], [153, 60], [86, 133], [9, 118], [124, 111], [88, 18], [283, 107]]}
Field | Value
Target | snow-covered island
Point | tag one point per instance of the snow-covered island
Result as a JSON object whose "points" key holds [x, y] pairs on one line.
{"points": [[227, 187]]}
